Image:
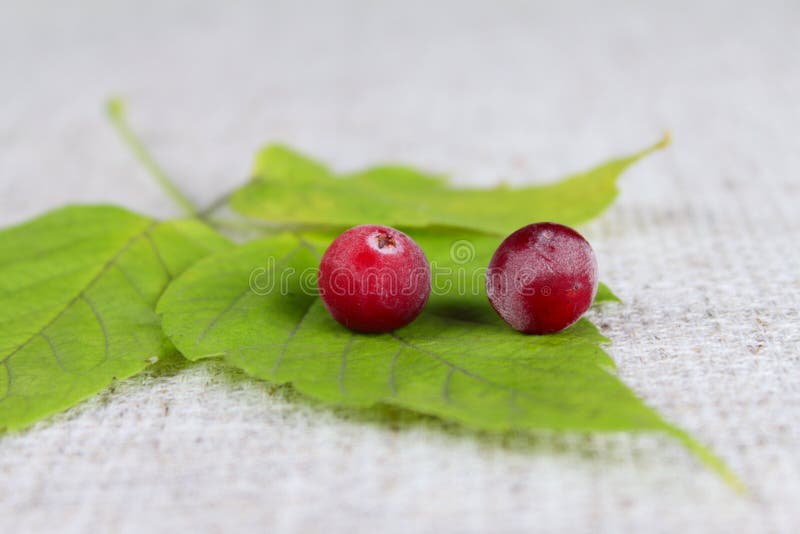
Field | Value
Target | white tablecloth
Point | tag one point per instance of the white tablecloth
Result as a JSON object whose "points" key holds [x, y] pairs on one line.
{"points": [[702, 246]]}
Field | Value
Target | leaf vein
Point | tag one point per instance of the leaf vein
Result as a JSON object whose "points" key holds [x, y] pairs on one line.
{"points": [[289, 338], [159, 257], [218, 317], [54, 350], [101, 322], [465, 372], [446, 385], [103, 270], [133, 284], [9, 379], [392, 376]]}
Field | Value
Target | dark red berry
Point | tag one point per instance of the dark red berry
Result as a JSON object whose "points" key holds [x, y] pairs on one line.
{"points": [[374, 279], [542, 278]]}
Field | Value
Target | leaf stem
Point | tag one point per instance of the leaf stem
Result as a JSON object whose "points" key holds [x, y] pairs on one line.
{"points": [[115, 108], [215, 205]]}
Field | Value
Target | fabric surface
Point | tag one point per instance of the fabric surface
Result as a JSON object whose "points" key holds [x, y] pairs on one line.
{"points": [[701, 246]]}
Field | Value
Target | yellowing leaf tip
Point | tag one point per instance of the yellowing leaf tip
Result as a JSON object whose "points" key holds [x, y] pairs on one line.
{"points": [[666, 140], [115, 107]]}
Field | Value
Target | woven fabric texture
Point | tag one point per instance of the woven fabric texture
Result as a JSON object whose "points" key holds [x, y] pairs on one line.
{"points": [[702, 246]]}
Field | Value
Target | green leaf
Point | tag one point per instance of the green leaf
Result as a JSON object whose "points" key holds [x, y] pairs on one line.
{"points": [[78, 288], [289, 188], [456, 361], [604, 294]]}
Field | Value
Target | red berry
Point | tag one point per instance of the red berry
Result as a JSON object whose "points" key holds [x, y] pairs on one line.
{"points": [[374, 279], [542, 278]]}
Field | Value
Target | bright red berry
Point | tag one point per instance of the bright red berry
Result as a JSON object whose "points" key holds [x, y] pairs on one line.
{"points": [[374, 279], [542, 278]]}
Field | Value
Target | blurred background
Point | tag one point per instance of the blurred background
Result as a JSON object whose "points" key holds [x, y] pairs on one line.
{"points": [[701, 247]]}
